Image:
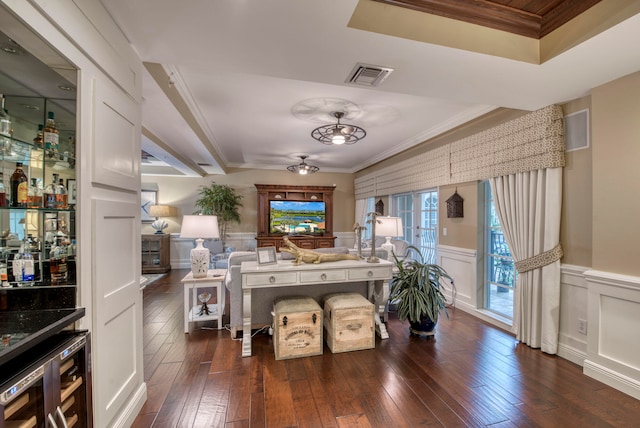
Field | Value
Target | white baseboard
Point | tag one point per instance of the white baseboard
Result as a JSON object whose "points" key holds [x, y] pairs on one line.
{"points": [[572, 354], [613, 379], [130, 412]]}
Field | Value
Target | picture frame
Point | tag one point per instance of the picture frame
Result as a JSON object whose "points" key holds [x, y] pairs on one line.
{"points": [[72, 191], [266, 256], [147, 198]]}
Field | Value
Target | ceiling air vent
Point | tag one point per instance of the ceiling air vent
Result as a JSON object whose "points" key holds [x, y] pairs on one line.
{"points": [[368, 75]]}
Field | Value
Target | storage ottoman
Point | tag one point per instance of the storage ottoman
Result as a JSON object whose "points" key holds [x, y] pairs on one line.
{"points": [[349, 322], [297, 325]]}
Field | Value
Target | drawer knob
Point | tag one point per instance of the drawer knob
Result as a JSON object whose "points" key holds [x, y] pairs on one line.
{"points": [[314, 318], [272, 279], [370, 274], [323, 277]]}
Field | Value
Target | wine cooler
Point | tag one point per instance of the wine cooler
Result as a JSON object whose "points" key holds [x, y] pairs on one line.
{"points": [[50, 387]]}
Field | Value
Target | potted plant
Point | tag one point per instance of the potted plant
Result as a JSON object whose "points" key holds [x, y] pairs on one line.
{"points": [[222, 201], [418, 292]]}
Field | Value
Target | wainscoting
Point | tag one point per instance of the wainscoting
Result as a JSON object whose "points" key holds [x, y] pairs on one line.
{"points": [[599, 321]]}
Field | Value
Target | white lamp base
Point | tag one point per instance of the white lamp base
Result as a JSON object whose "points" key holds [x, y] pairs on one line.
{"points": [[390, 247], [199, 260]]}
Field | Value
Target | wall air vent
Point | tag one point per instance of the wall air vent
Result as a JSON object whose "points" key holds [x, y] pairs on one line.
{"points": [[368, 75]]}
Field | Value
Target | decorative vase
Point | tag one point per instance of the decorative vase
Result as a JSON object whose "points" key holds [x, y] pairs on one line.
{"points": [[424, 328]]}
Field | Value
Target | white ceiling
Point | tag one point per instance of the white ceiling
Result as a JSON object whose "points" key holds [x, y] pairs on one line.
{"points": [[255, 74]]}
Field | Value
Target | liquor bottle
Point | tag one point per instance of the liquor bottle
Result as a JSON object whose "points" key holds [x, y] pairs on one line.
{"points": [[55, 195], [19, 187], [39, 140], [58, 264], [34, 197], [4, 277], [5, 120], [3, 192], [51, 135], [24, 266]]}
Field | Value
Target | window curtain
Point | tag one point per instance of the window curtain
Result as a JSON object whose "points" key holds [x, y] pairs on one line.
{"points": [[528, 205], [361, 216]]}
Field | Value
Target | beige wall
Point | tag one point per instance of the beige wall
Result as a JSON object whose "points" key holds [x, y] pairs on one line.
{"points": [[575, 224], [182, 192], [616, 175], [461, 232]]}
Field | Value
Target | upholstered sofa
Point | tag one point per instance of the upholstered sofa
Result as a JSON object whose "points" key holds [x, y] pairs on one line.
{"points": [[262, 299]]}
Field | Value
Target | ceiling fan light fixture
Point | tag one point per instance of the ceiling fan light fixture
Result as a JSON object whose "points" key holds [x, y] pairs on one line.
{"points": [[303, 168], [339, 133]]}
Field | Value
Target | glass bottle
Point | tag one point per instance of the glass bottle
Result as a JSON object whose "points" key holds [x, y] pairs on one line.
{"points": [[24, 266], [19, 187], [5, 119], [4, 277], [51, 135], [3, 192], [34, 197], [55, 195], [39, 140], [58, 264]]}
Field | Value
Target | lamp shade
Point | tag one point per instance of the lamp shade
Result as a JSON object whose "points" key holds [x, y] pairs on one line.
{"points": [[199, 226], [389, 226], [162, 211]]}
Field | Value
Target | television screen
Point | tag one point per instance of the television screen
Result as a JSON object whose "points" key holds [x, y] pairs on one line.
{"points": [[296, 217]]}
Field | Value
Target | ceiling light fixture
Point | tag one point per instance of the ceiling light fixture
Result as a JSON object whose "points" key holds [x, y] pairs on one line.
{"points": [[339, 133], [303, 168]]}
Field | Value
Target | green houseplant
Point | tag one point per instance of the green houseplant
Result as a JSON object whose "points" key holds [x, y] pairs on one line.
{"points": [[222, 201], [418, 291]]}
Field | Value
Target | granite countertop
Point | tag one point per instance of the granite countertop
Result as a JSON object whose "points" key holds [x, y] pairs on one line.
{"points": [[22, 330]]}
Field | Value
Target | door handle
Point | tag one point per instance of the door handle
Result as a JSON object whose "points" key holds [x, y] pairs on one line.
{"points": [[62, 418], [51, 422]]}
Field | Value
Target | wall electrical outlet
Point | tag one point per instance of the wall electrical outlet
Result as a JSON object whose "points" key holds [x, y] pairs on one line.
{"points": [[582, 326]]}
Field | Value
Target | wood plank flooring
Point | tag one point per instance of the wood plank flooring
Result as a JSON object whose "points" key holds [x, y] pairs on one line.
{"points": [[470, 375]]}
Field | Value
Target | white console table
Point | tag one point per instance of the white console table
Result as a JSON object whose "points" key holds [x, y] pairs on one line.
{"points": [[286, 274]]}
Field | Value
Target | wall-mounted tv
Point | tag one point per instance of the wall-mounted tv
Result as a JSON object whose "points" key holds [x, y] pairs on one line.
{"points": [[297, 217]]}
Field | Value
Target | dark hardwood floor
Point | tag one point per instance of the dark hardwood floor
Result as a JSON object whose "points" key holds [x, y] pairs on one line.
{"points": [[471, 375]]}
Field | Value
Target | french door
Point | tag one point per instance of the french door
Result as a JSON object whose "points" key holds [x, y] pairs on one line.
{"points": [[419, 214]]}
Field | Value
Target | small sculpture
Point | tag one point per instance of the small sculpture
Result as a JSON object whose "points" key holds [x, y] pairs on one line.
{"points": [[308, 256], [358, 231]]}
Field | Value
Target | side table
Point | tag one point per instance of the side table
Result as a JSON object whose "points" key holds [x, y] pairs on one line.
{"points": [[214, 279]]}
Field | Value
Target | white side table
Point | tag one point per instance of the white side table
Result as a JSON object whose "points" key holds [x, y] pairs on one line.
{"points": [[214, 279]]}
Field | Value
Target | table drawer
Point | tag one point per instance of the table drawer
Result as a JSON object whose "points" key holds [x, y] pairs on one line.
{"points": [[320, 276], [370, 273], [272, 279]]}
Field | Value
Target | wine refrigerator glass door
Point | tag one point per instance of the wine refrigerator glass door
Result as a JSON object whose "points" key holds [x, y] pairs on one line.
{"points": [[22, 398], [72, 384]]}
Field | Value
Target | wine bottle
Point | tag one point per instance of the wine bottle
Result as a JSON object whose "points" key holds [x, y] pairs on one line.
{"points": [[51, 135], [19, 187]]}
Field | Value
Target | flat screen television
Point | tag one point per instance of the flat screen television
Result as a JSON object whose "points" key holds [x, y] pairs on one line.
{"points": [[297, 217]]}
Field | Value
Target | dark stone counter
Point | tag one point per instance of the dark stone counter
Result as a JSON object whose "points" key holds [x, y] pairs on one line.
{"points": [[22, 330]]}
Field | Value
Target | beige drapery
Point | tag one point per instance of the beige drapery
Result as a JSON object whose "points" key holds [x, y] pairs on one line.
{"points": [[528, 205]]}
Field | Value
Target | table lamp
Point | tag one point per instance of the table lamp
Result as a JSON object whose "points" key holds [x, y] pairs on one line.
{"points": [[389, 227], [161, 211], [199, 227]]}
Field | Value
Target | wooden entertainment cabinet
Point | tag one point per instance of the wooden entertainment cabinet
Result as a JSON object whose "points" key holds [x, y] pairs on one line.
{"points": [[272, 192]]}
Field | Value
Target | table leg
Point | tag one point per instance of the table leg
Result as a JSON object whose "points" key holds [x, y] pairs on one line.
{"points": [[379, 292], [219, 304], [187, 286], [246, 322]]}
